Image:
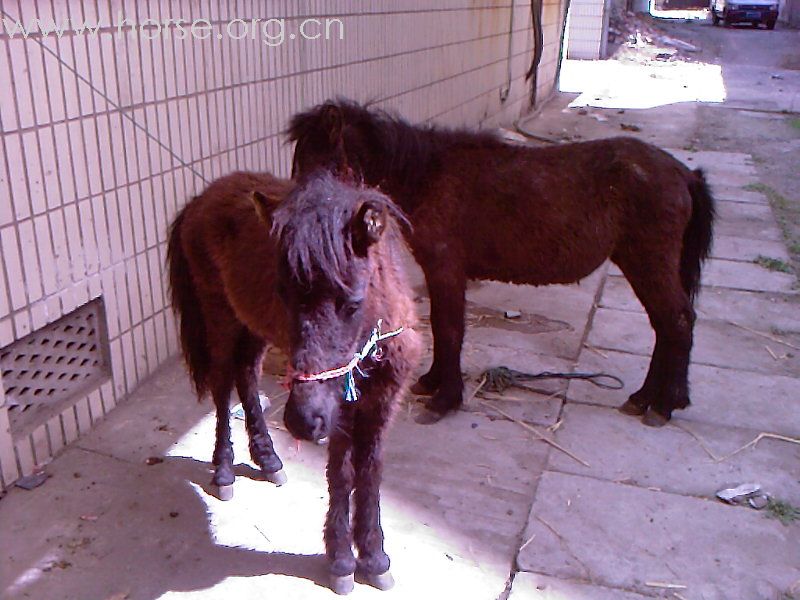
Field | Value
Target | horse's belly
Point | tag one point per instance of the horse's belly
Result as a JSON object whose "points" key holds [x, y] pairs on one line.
{"points": [[537, 264]]}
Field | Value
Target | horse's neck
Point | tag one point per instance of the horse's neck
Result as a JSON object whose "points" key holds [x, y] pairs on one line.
{"points": [[394, 296]]}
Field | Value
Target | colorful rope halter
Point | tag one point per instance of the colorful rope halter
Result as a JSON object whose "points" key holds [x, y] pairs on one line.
{"points": [[370, 350]]}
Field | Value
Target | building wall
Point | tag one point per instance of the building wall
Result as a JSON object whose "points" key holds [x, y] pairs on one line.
{"points": [[587, 28], [790, 12], [104, 138]]}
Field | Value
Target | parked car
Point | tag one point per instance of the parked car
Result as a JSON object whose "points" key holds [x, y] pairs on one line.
{"points": [[754, 12]]}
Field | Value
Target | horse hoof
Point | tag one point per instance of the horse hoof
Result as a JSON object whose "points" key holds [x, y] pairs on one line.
{"points": [[632, 409], [343, 584], [428, 417], [225, 492], [278, 477], [420, 389], [382, 581], [654, 419]]}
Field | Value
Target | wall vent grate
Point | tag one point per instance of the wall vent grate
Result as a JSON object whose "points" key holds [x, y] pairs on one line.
{"points": [[49, 367]]}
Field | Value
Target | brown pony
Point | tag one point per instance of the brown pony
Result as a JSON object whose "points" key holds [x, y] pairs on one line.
{"points": [[340, 277], [485, 209], [346, 322], [222, 274]]}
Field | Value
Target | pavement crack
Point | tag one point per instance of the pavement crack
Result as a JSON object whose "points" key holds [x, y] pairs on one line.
{"points": [[104, 454], [565, 545]]}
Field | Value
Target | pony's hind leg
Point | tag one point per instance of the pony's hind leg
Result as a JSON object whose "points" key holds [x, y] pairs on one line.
{"points": [[222, 385], [638, 402], [373, 562], [672, 316], [249, 354]]}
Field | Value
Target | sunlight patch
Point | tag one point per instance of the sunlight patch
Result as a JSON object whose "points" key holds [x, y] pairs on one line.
{"points": [[612, 84]]}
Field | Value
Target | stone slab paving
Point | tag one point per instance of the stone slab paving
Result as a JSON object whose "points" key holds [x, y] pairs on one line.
{"points": [[534, 586], [625, 537], [720, 396], [716, 343], [745, 276], [686, 457], [732, 247], [455, 501], [769, 314], [740, 275], [754, 221], [729, 193]]}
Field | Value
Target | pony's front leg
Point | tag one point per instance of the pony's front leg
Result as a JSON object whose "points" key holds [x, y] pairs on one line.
{"points": [[373, 562], [338, 535]]}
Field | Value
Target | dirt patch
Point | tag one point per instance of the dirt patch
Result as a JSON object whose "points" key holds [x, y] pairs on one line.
{"points": [[791, 62], [484, 316]]}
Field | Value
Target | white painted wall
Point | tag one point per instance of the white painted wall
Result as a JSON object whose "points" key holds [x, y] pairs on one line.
{"points": [[587, 29]]}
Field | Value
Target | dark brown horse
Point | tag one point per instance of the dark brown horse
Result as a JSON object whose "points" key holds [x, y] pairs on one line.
{"points": [[484, 209], [341, 281], [222, 274]]}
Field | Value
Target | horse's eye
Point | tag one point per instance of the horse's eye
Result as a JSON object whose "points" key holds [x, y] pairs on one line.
{"points": [[349, 307]]}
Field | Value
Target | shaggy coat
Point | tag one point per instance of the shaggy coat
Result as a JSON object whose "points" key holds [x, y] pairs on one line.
{"points": [[340, 274], [315, 288], [485, 209], [222, 274]]}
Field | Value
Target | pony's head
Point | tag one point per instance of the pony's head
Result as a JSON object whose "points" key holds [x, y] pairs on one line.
{"points": [[373, 146], [339, 135], [330, 236]]}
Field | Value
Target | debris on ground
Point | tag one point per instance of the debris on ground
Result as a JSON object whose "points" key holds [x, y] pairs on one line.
{"points": [[746, 492], [629, 127], [59, 564], [670, 41], [32, 481], [153, 460], [512, 314], [640, 39]]}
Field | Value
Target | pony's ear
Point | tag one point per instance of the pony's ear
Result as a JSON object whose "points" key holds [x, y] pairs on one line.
{"points": [[263, 206], [368, 226]]}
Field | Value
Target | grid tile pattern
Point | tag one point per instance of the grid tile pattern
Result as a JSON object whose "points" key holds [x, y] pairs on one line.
{"points": [[105, 136], [587, 29]]}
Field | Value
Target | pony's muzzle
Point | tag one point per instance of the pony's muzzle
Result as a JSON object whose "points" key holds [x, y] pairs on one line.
{"points": [[305, 418]]}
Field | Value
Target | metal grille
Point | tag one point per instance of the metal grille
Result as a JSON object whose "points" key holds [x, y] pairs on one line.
{"points": [[49, 367]]}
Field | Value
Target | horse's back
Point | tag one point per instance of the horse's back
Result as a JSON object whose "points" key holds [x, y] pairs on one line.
{"points": [[564, 209], [231, 251]]}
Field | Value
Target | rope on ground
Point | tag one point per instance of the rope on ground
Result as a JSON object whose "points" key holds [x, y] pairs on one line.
{"points": [[499, 379]]}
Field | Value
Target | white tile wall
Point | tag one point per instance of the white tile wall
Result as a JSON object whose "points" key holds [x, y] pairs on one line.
{"points": [[104, 137], [587, 27]]}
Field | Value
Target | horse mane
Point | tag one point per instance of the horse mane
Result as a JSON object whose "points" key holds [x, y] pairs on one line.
{"points": [[313, 228], [408, 153]]}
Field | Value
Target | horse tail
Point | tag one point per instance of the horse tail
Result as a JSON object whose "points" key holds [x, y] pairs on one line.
{"points": [[698, 236], [186, 306]]}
